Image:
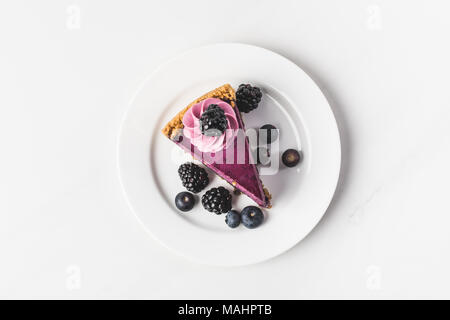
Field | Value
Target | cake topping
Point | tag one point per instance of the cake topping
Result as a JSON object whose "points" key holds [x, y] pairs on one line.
{"points": [[192, 126], [213, 121], [248, 97]]}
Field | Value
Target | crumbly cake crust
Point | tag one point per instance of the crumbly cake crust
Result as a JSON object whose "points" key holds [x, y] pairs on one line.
{"points": [[225, 92]]}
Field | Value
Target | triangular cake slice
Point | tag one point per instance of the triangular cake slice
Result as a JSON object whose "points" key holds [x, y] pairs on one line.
{"points": [[240, 171]]}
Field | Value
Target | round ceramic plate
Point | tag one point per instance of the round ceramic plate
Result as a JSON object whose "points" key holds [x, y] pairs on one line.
{"points": [[148, 161]]}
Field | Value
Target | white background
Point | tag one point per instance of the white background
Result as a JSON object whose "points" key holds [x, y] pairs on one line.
{"points": [[65, 229]]}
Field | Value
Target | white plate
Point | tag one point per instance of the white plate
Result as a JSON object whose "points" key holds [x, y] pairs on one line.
{"points": [[148, 161]]}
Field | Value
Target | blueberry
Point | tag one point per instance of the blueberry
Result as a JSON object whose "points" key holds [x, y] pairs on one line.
{"points": [[233, 218], [262, 156], [270, 132], [252, 217], [290, 158], [184, 201]]}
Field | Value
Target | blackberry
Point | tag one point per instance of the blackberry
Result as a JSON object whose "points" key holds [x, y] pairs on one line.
{"points": [[193, 177], [248, 97], [184, 201], [213, 121], [290, 158], [217, 200]]}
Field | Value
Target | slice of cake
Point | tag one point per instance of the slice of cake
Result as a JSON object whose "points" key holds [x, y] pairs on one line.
{"points": [[212, 130]]}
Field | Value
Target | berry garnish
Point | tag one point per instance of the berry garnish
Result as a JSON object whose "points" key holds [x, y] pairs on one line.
{"points": [[213, 121], [217, 200], [262, 156], [193, 177], [269, 133], [248, 97], [233, 218], [184, 201], [290, 158], [252, 217]]}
